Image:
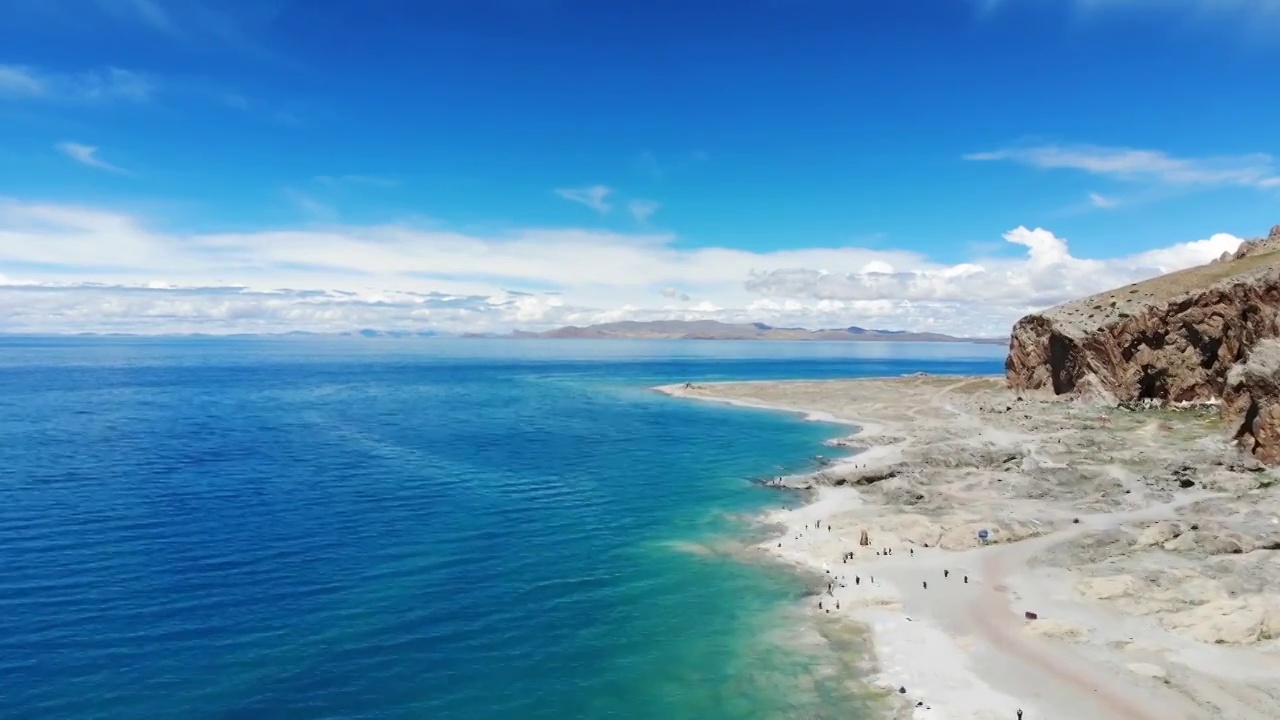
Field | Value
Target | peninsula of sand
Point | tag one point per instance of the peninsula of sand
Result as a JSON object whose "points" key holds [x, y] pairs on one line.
{"points": [[1126, 571]]}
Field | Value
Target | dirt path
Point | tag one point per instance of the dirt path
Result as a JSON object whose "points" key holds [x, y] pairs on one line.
{"points": [[1000, 625]]}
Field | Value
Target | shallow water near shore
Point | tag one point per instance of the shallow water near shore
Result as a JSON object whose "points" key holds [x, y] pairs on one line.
{"points": [[343, 528]]}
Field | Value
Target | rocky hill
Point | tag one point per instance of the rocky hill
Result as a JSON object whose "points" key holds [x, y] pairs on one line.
{"points": [[1175, 337]]}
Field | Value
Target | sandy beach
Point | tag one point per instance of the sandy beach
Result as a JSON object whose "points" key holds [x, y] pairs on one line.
{"points": [[1142, 542]]}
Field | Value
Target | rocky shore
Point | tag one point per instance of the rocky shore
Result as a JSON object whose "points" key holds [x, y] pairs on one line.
{"points": [[1141, 540]]}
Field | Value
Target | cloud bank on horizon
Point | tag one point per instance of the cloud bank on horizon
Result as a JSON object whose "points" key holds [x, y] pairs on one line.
{"points": [[225, 167], [105, 271]]}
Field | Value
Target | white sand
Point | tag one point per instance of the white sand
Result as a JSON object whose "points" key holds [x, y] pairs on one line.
{"points": [[963, 649]]}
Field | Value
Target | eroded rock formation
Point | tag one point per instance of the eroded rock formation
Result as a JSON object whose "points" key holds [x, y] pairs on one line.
{"points": [[1174, 337], [1251, 402]]}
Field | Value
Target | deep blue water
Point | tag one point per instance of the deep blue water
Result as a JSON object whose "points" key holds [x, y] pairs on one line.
{"points": [[280, 529]]}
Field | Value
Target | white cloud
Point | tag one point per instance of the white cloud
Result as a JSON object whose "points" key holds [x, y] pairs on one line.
{"points": [[1101, 201], [310, 206], [235, 100], [1251, 8], [73, 268], [1246, 9], [151, 14], [1047, 275], [16, 80], [370, 180], [593, 197], [1257, 170], [88, 155], [642, 210], [22, 82]]}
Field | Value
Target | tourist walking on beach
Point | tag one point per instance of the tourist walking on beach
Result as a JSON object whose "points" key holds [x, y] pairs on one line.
{"points": [[1019, 713]]}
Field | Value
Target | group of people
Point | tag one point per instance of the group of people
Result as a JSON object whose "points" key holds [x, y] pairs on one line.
{"points": [[865, 541]]}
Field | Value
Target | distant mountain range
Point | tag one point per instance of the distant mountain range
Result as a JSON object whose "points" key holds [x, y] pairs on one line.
{"points": [[715, 330]]}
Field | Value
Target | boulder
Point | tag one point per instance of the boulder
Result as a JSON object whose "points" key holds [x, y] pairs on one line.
{"points": [[1259, 246], [1241, 621], [1148, 670], [1159, 533], [1251, 402]]}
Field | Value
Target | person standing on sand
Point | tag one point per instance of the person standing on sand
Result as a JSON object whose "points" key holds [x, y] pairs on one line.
{"points": [[925, 584], [857, 579], [1019, 713], [946, 573]]}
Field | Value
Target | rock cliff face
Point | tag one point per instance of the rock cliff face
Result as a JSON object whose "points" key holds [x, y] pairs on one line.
{"points": [[1175, 337], [1251, 402]]}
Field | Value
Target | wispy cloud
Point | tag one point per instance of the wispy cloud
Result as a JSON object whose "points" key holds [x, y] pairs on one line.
{"points": [[642, 210], [16, 80], [197, 25], [369, 180], [593, 197], [88, 155], [24, 82], [1237, 8], [150, 13], [1257, 170], [309, 205], [648, 163], [235, 100], [1101, 201]]}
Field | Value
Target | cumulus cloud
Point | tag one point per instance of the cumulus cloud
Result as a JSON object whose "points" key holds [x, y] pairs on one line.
{"points": [[88, 155], [1256, 170], [74, 268], [593, 197], [1047, 275]]}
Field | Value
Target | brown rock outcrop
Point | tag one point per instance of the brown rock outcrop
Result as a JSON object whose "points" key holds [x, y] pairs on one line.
{"points": [[1198, 334], [1251, 402], [1259, 246], [1173, 337]]}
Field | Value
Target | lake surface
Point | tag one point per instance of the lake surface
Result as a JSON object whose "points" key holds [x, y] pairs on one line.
{"points": [[369, 528]]}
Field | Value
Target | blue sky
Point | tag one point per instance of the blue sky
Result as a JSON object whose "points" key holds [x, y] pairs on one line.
{"points": [[322, 165]]}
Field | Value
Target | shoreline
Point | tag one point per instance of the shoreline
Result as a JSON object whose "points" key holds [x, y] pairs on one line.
{"points": [[945, 611], [897, 638]]}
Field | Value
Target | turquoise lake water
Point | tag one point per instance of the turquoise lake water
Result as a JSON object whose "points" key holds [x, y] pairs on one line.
{"points": [[354, 528]]}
